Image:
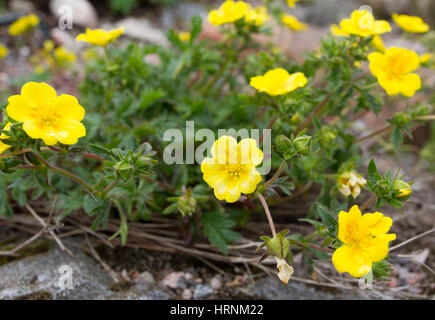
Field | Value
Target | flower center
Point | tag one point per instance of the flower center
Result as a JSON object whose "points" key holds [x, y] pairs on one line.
{"points": [[234, 170]]}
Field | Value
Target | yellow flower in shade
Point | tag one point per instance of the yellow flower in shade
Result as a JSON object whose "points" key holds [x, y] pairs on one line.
{"points": [[362, 23], [231, 169], [23, 25], [350, 183], [291, 3], [337, 31], [411, 24], [257, 16], [424, 58], [365, 241], [64, 57], [3, 51], [285, 271], [393, 71], [4, 146], [378, 44], [293, 23], [278, 81], [100, 37], [47, 116], [184, 36], [228, 12]]}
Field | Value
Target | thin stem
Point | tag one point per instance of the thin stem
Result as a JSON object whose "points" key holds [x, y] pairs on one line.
{"points": [[164, 186], [428, 117], [109, 187], [269, 216], [271, 123], [310, 117], [15, 153], [368, 203], [73, 177], [276, 175], [374, 134]]}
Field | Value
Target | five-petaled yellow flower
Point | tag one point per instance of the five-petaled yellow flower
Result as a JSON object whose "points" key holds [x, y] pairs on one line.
{"points": [[3, 51], [228, 12], [4, 146], [100, 37], [257, 16], [393, 71], [278, 81], [231, 169], [362, 23], [184, 36], [410, 23], [291, 3], [365, 241], [350, 183], [23, 25], [47, 116], [64, 57], [293, 23]]}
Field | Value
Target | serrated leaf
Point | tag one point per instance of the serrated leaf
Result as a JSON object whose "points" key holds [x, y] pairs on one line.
{"points": [[217, 227]]}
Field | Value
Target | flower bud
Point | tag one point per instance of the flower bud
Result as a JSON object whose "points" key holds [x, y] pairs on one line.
{"points": [[403, 188], [124, 169], [302, 144], [284, 147]]}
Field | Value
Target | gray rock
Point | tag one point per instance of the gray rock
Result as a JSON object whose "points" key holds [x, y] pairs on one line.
{"points": [[83, 12], [23, 6], [272, 289], [202, 291], [142, 29], [40, 275]]}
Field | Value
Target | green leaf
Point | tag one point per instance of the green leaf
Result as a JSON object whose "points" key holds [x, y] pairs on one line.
{"points": [[397, 137], [327, 218], [217, 228], [372, 171]]}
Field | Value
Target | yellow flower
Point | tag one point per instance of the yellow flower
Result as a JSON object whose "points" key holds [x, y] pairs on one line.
{"points": [[393, 71], [291, 3], [4, 146], [378, 44], [64, 57], [3, 51], [23, 25], [411, 24], [47, 116], [337, 31], [285, 271], [100, 37], [231, 169], [184, 36], [228, 12], [278, 81], [257, 16], [48, 46], [365, 241], [293, 23], [424, 58], [362, 23], [350, 183]]}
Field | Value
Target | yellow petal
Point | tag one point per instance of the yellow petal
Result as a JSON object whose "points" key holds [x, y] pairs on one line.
{"points": [[69, 107], [249, 152], [225, 150], [377, 223], [351, 260], [378, 250]]}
